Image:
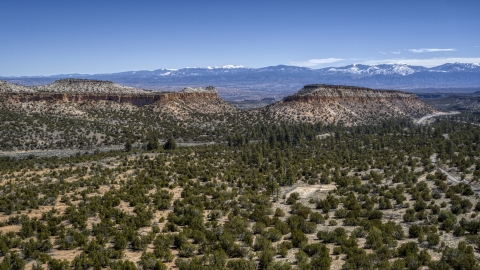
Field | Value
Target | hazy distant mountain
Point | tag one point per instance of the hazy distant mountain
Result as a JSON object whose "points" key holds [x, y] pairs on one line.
{"points": [[238, 82]]}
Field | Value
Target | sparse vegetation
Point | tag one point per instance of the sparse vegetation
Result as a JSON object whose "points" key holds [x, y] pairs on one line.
{"points": [[265, 195]]}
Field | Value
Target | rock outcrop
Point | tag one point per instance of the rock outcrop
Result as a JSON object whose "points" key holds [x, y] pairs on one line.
{"points": [[347, 104]]}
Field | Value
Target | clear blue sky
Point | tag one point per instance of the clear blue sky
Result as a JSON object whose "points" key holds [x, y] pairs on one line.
{"points": [[54, 37]]}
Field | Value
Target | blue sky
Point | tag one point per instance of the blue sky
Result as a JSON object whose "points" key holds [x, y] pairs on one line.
{"points": [[55, 37]]}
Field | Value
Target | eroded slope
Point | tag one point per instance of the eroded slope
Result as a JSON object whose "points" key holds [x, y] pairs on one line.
{"points": [[347, 104]]}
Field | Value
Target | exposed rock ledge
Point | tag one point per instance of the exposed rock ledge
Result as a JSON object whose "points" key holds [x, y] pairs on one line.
{"points": [[135, 99]]}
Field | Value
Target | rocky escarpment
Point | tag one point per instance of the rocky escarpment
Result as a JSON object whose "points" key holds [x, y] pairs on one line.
{"points": [[192, 101], [78, 95], [347, 104], [134, 99], [80, 90]]}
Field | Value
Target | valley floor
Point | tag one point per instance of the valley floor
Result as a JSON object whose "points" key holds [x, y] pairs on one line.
{"points": [[274, 196]]}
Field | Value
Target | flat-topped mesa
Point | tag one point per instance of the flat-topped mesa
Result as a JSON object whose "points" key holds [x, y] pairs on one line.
{"points": [[322, 92], [84, 86], [81, 90], [347, 104]]}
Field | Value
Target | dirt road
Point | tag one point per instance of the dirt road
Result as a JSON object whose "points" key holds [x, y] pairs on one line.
{"points": [[433, 159], [423, 119]]}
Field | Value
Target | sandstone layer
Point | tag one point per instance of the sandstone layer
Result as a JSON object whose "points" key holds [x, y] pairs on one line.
{"points": [[134, 99]]}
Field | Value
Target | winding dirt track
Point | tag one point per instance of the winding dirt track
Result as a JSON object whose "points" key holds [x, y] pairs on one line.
{"points": [[422, 120], [433, 159]]}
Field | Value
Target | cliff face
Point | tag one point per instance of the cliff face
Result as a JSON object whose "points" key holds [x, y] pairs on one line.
{"points": [[347, 104], [78, 90], [81, 95], [134, 99]]}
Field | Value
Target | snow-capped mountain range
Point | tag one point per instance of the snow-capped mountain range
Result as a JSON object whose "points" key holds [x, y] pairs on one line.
{"points": [[281, 80], [353, 70], [383, 69], [402, 69]]}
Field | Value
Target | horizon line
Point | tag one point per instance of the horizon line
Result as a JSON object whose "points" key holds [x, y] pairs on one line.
{"points": [[230, 67]]}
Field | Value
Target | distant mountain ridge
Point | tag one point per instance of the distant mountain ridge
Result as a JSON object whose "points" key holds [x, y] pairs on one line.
{"points": [[353, 69], [239, 83]]}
